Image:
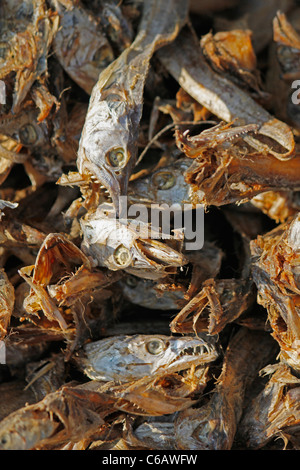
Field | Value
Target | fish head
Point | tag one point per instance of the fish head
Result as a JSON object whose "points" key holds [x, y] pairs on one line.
{"points": [[165, 185], [128, 246], [126, 358], [107, 147]]}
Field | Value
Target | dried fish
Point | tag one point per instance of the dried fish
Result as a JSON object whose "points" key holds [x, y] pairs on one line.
{"points": [[80, 45], [184, 60], [223, 174], [115, 107], [128, 246], [273, 414], [26, 26], [119, 123], [275, 261], [128, 358], [70, 413], [213, 425]]}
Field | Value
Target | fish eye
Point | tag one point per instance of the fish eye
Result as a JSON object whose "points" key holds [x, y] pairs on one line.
{"points": [[131, 281], [155, 346], [27, 134], [122, 256], [116, 157], [164, 180]]}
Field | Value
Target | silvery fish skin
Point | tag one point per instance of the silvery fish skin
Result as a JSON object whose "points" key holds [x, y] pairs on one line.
{"points": [[153, 433], [128, 358], [108, 144]]}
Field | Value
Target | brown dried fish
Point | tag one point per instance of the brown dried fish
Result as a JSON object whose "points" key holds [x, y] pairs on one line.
{"points": [[227, 173], [213, 425], [275, 271], [184, 60], [116, 103], [26, 26], [274, 412]]}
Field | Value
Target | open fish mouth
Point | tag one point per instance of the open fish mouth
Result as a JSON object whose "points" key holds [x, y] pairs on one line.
{"points": [[193, 354], [103, 189], [196, 351]]}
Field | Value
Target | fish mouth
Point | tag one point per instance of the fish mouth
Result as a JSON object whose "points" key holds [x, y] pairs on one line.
{"points": [[195, 354], [195, 351], [111, 188]]}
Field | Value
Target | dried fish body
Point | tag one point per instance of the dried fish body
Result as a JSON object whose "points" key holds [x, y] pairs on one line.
{"points": [[27, 26], [128, 358], [108, 144], [116, 21], [213, 426], [45, 376], [288, 47], [70, 413], [25, 128], [62, 287], [278, 205], [231, 53], [22, 430], [218, 303], [162, 395], [80, 44], [233, 173], [283, 69], [275, 270], [184, 60], [117, 245], [215, 302], [273, 413]]}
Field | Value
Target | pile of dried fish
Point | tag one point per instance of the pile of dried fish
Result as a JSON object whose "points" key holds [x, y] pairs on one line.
{"points": [[114, 334]]}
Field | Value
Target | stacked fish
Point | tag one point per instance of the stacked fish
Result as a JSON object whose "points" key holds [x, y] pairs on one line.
{"points": [[116, 333]]}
